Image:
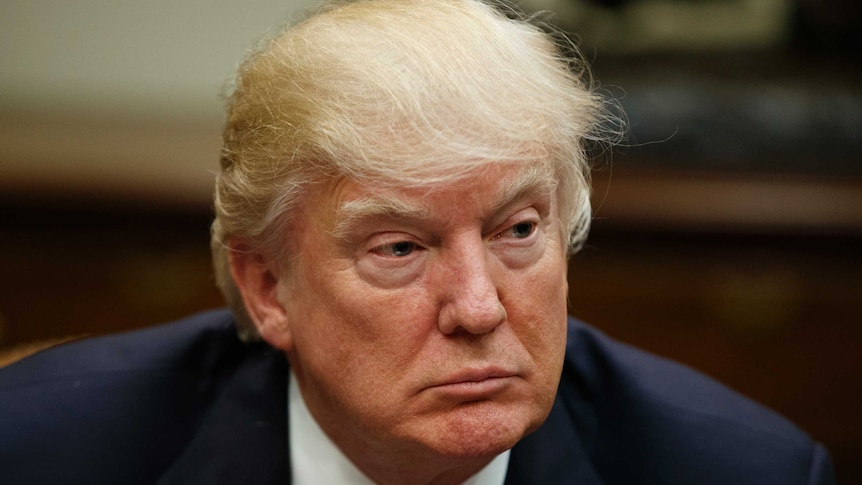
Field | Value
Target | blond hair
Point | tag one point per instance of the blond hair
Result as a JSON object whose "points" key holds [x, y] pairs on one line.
{"points": [[401, 93]]}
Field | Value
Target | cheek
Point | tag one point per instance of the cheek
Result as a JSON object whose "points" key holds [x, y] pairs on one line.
{"points": [[537, 307], [350, 327], [358, 351]]}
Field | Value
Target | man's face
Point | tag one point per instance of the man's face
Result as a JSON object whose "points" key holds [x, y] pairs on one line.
{"points": [[428, 320]]}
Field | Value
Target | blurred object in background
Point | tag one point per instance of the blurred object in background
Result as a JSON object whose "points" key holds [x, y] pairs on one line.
{"points": [[619, 27], [831, 28], [727, 228], [730, 85]]}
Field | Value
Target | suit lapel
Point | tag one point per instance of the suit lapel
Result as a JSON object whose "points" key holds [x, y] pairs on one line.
{"points": [[243, 436]]}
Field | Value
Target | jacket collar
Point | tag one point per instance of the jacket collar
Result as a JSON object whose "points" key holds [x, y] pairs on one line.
{"points": [[554, 453], [243, 436]]}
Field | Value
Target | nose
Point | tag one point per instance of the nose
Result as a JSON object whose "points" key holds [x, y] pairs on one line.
{"points": [[472, 300]]}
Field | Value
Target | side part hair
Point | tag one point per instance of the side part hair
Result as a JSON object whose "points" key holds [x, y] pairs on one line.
{"points": [[398, 93]]}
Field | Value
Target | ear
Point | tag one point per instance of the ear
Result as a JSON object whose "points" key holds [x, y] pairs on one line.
{"points": [[257, 279]]}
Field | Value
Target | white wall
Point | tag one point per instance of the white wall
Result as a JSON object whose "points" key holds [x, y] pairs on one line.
{"points": [[113, 97]]}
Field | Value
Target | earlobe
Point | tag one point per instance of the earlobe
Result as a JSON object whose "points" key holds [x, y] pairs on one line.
{"points": [[257, 279]]}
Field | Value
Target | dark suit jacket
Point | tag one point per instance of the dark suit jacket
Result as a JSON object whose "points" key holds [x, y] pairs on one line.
{"points": [[189, 403]]}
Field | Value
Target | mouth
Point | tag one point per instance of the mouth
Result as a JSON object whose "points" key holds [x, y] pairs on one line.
{"points": [[475, 384]]}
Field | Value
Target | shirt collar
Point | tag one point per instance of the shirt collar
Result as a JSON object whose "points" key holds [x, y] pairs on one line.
{"points": [[318, 460]]}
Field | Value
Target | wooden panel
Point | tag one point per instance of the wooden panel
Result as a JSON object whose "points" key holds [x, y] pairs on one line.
{"points": [[775, 318]]}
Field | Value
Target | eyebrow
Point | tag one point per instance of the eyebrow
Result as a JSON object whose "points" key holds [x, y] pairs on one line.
{"points": [[534, 180], [366, 208]]}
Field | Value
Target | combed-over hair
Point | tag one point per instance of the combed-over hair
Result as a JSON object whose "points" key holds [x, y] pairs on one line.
{"points": [[397, 93]]}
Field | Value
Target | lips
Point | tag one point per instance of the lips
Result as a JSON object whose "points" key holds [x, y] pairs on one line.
{"points": [[478, 375], [472, 384]]}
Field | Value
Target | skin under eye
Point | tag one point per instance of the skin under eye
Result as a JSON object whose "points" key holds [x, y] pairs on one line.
{"points": [[520, 244], [391, 262]]}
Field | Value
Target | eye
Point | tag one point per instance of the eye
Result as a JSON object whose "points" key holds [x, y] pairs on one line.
{"points": [[523, 230], [398, 249], [521, 240]]}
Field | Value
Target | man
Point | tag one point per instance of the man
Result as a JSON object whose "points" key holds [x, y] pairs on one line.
{"points": [[402, 182]]}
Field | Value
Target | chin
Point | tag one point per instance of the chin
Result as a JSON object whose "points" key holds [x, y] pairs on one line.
{"points": [[485, 429]]}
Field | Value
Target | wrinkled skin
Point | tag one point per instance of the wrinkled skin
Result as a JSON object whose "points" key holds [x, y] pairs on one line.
{"points": [[426, 327]]}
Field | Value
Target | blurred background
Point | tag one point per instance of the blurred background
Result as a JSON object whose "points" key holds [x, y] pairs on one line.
{"points": [[728, 225]]}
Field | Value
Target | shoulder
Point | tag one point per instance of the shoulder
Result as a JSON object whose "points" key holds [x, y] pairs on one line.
{"points": [[109, 397], [630, 376], [661, 415], [155, 347]]}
